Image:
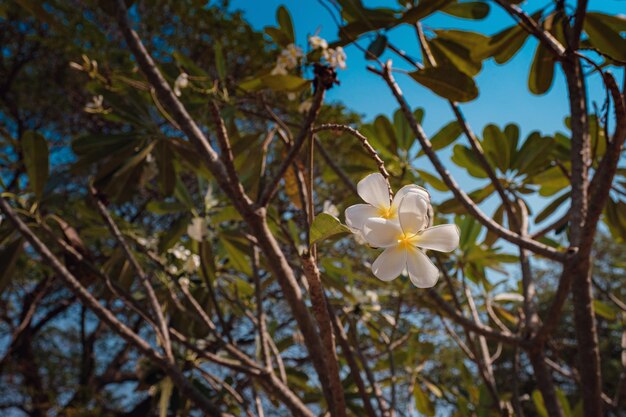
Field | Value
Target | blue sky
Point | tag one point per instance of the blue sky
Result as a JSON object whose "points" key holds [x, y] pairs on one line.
{"points": [[504, 97]]}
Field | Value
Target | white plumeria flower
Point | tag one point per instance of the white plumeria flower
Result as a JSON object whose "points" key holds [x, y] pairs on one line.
{"points": [[404, 241], [374, 191], [336, 57], [182, 81], [317, 42]]}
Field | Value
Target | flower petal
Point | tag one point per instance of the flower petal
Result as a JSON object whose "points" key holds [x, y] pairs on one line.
{"points": [[390, 263], [381, 233], [422, 272], [413, 213], [373, 190], [411, 188], [358, 214], [443, 238]]}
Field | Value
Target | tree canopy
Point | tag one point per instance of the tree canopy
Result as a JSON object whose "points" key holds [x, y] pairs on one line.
{"points": [[174, 237]]}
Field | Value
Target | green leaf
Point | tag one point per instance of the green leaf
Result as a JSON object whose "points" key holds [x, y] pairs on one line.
{"points": [[474, 10], [35, 153], [377, 47], [448, 134], [449, 53], [539, 404], [535, 154], [497, 147], [404, 134], [238, 255], [8, 258], [207, 262], [167, 387], [165, 207], [541, 72], [324, 226], [476, 43], [567, 410], [422, 10], [423, 404], [552, 207], [498, 217], [385, 133], [604, 37], [465, 158], [220, 64], [604, 310], [504, 45], [286, 82], [432, 180], [278, 36], [448, 83], [616, 22], [284, 20], [551, 180]]}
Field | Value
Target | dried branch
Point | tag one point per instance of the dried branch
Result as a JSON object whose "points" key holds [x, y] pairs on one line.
{"points": [[320, 308], [368, 148], [303, 134], [143, 277], [108, 317]]}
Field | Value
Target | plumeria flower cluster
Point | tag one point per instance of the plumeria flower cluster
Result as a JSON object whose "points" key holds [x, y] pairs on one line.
{"points": [[190, 261], [287, 60], [96, 105], [336, 57], [403, 228]]}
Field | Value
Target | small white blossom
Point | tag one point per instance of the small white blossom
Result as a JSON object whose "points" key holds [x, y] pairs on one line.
{"points": [[95, 105], [172, 269], [317, 42], [192, 264], [336, 57], [198, 230], [182, 81], [330, 208], [183, 282], [180, 252]]}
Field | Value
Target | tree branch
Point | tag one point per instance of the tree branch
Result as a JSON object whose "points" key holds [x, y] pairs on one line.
{"points": [[471, 207], [108, 317]]}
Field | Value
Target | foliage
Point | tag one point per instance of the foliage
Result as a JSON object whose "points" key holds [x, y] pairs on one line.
{"points": [[106, 170]]}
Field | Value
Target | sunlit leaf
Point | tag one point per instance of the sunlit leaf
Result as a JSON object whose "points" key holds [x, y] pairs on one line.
{"points": [[324, 226]]}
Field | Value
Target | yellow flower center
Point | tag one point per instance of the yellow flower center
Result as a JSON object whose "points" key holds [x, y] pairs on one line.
{"points": [[387, 213], [405, 241]]}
